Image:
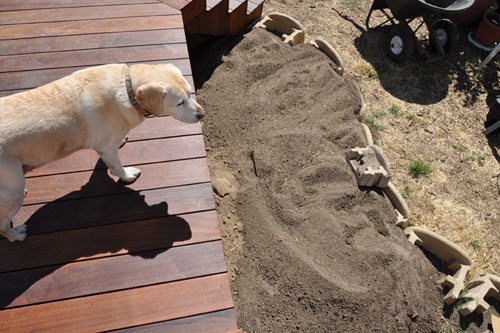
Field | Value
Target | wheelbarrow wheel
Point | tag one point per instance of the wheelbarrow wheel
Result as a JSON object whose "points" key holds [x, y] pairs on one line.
{"points": [[401, 43], [446, 34]]}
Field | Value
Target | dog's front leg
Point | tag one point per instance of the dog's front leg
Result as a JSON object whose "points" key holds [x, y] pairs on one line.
{"points": [[18, 233], [112, 161]]}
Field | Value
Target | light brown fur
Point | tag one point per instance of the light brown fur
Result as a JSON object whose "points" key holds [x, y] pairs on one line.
{"points": [[87, 109]]}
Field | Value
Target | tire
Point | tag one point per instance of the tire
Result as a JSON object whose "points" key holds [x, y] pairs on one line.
{"points": [[446, 35], [401, 42]]}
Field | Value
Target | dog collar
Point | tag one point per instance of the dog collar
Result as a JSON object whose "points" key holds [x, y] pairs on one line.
{"points": [[131, 94]]}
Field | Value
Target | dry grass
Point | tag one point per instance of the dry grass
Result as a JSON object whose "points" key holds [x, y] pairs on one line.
{"points": [[433, 112]]}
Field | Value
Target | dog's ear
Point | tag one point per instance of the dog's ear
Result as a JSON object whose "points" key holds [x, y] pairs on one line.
{"points": [[150, 97]]}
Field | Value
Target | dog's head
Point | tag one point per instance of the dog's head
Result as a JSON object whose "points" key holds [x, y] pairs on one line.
{"points": [[162, 90]]}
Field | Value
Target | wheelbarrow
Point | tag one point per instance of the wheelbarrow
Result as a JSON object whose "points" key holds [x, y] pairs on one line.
{"points": [[403, 41]]}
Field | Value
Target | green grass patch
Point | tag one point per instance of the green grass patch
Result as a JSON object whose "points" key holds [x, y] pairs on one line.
{"points": [[407, 192], [460, 147], [367, 71], [395, 110], [310, 30], [374, 120], [418, 168], [450, 327], [414, 118], [478, 157], [476, 246], [462, 300]]}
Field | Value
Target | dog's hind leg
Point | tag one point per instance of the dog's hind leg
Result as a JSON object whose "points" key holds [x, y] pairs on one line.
{"points": [[12, 187]]}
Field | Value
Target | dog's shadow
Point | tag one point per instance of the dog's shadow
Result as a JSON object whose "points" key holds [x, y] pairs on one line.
{"points": [[64, 230]]}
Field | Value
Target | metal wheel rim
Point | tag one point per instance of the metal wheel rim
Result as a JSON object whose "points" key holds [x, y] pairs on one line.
{"points": [[396, 45]]}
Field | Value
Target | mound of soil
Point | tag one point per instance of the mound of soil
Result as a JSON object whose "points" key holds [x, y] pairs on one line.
{"points": [[307, 249]]}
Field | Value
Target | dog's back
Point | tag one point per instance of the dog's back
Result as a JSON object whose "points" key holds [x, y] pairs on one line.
{"points": [[52, 121]]}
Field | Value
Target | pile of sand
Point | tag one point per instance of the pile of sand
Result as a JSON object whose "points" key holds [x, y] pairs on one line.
{"points": [[308, 250]]}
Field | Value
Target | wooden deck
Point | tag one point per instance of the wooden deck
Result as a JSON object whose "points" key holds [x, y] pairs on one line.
{"points": [[101, 256]]}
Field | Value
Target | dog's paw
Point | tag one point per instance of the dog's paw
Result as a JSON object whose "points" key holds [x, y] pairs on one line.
{"points": [[131, 174], [20, 233]]}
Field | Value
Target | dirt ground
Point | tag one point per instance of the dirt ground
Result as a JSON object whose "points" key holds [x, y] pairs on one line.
{"points": [[307, 249]]}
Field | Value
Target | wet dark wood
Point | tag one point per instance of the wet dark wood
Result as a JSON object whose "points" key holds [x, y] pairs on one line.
{"points": [[102, 255], [60, 247], [131, 307], [214, 322], [114, 273]]}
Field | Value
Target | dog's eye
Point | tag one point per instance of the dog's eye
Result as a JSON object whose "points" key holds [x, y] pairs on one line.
{"points": [[180, 103]]}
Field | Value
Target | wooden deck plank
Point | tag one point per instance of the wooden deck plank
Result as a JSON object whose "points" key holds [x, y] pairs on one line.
{"points": [[86, 278], [168, 174], [130, 307], [85, 13], [14, 82], [7, 5], [177, 4], [94, 41], [162, 127], [99, 26], [214, 322], [131, 206], [4, 93], [62, 247], [93, 57], [133, 153]]}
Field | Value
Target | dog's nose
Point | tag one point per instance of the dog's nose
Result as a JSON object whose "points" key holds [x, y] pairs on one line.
{"points": [[201, 112]]}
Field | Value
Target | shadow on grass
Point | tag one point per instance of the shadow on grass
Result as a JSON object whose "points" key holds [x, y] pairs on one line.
{"points": [[426, 83]]}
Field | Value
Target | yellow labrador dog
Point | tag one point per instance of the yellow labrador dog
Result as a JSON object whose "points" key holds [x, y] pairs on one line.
{"points": [[91, 108]]}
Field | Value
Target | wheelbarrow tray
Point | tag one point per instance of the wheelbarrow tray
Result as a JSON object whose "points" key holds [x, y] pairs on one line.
{"points": [[406, 9]]}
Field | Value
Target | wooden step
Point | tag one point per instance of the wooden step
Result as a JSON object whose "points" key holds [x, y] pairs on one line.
{"points": [[212, 3], [218, 17], [192, 10], [233, 4], [238, 17]]}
